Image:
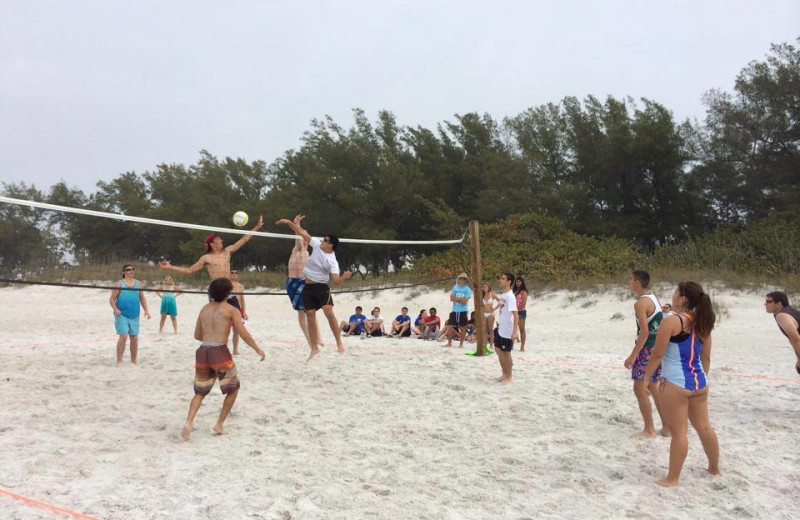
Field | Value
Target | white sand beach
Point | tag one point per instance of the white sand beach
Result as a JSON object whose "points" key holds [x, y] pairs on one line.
{"points": [[391, 429]]}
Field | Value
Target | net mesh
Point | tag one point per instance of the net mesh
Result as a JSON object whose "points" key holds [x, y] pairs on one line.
{"points": [[48, 245]]}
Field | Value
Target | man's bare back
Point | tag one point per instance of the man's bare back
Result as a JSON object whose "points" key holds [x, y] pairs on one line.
{"points": [[214, 323]]}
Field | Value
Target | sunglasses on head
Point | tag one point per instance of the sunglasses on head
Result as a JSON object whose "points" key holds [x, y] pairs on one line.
{"points": [[128, 269]]}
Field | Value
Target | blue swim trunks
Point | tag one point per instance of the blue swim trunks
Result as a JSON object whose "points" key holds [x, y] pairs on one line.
{"points": [[129, 326], [640, 364], [294, 288]]}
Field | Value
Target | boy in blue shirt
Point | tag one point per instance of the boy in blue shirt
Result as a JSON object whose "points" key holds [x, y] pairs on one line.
{"points": [[460, 295], [401, 326], [354, 325]]}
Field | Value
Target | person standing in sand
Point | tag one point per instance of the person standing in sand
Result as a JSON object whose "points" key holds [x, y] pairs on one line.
{"points": [[217, 259], [320, 267], [238, 292], [507, 325], [787, 318], [460, 295], [169, 292], [521, 294], [647, 310], [683, 343], [213, 359], [125, 301]]}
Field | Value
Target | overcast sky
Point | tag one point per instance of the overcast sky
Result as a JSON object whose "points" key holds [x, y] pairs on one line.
{"points": [[92, 89]]}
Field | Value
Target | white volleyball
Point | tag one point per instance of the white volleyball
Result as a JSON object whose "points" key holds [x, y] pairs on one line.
{"points": [[240, 218]]}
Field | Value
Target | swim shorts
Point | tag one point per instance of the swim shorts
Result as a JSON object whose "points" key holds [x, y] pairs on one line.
{"points": [[458, 317], [523, 315], [316, 295], [504, 344], [294, 288], [640, 364], [214, 362], [129, 326]]}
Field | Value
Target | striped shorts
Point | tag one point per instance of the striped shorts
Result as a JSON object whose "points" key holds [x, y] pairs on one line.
{"points": [[214, 362]]}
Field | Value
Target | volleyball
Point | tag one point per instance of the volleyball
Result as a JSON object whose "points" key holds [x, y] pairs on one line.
{"points": [[240, 218]]}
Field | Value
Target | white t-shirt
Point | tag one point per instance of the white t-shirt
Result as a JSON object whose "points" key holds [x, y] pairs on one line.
{"points": [[505, 323], [320, 264], [375, 319]]}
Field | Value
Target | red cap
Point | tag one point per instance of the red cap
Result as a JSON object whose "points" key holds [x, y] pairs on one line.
{"points": [[210, 238]]}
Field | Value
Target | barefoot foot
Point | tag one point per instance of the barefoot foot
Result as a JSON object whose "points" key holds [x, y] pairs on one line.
{"points": [[218, 430], [665, 432], [643, 435], [667, 483], [715, 471], [314, 352], [186, 432]]}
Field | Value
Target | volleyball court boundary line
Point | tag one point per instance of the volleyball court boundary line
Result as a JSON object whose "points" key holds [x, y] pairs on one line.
{"points": [[44, 505], [216, 229]]}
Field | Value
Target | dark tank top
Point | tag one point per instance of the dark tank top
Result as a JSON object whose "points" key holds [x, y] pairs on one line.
{"points": [[794, 313]]}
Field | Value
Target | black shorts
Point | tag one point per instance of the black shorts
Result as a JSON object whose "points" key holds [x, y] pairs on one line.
{"points": [[316, 295], [378, 333], [232, 299], [458, 317], [504, 344]]}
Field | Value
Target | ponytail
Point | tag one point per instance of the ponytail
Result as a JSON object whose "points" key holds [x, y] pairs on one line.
{"points": [[704, 316], [700, 303]]}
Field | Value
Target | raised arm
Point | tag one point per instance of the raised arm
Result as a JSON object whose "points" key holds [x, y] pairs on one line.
{"points": [[338, 279], [242, 241], [164, 264], [296, 227]]}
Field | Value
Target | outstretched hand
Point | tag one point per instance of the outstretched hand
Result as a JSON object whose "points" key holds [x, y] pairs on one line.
{"points": [[298, 219], [259, 223], [164, 264], [283, 221]]}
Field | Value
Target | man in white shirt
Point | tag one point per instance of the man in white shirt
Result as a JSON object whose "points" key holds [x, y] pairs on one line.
{"points": [[320, 267], [506, 332]]}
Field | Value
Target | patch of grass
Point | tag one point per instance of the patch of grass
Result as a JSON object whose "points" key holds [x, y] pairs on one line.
{"points": [[617, 316]]}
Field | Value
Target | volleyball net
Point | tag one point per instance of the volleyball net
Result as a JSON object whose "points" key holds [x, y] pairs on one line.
{"points": [[48, 244]]}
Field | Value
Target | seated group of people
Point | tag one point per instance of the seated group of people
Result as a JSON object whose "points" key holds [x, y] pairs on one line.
{"points": [[427, 325]]}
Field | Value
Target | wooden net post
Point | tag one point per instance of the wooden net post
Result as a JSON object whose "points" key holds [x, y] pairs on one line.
{"points": [[475, 260]]}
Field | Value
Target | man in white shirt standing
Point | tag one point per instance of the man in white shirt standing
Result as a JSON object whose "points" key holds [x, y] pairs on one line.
{"points": [[506, 332], [320, 267]]}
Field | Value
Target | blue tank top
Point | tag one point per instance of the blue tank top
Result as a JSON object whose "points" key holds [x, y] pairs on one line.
{"points": [[681, 364], [128, 301]]}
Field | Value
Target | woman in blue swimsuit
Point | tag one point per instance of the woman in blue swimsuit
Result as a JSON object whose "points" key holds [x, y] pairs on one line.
{"points": [[168, 292], [683, 349]]}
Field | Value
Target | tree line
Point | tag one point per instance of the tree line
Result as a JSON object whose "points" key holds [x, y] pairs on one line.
{"points": [[612, 167]]}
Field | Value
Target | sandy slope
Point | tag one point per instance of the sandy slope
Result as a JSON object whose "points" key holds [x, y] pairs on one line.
{"points": [[392, 429]]}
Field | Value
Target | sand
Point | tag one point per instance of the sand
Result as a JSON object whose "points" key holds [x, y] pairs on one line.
{"points": [[391, 429]]}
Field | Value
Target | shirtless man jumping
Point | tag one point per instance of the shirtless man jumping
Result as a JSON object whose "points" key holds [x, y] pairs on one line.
{"points": [[295, 282], [213, 359], [217, 259]]}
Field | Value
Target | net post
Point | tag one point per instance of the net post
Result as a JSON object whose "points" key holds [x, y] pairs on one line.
{"points": [[475, 261]]}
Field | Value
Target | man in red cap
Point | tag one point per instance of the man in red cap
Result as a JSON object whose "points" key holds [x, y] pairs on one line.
{"points": [[217, 259]]}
